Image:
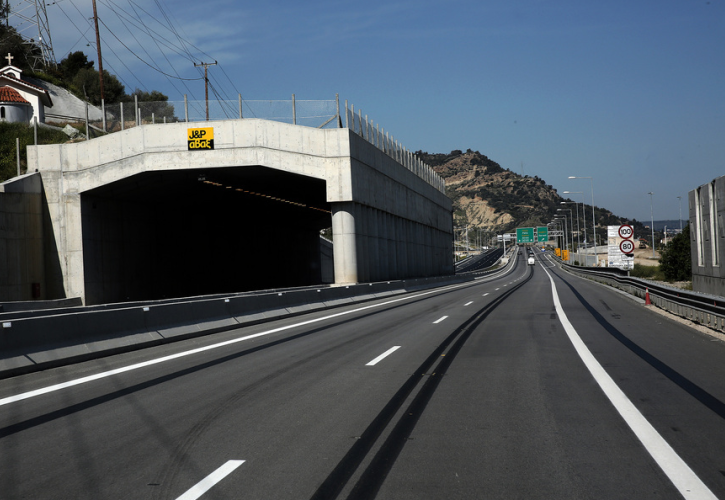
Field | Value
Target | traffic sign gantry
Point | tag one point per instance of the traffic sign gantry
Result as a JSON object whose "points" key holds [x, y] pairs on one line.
{"points": [[542, 233], [525, 235]]}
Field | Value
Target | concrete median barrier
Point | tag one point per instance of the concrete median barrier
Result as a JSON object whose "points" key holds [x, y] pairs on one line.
{"points": [[36, 342]]}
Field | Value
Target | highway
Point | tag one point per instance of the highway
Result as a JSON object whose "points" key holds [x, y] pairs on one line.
{"points": [[533, 384], [479, 262]]}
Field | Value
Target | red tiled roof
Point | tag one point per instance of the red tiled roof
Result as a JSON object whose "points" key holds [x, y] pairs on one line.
{"points": [[9, 94], [44, 94]]}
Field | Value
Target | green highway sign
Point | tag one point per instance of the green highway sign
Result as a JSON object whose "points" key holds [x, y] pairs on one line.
{"points": [[542, 233], [525, 235]]}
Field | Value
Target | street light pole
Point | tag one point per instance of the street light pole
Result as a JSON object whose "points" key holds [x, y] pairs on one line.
{"points": [[680, 198], [652, 220], [594, 221], [578, 228], [584, 216], [566, 239], [571, 218]]}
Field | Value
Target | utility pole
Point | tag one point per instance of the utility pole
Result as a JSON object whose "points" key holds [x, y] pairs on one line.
{"points": [[206, 84], [98, 46]]}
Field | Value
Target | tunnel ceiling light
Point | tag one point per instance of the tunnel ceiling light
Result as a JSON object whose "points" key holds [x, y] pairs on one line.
{"points": [[262, 195]]}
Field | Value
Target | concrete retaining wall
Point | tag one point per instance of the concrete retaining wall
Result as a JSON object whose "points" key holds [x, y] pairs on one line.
{"points": [[22, 263]]}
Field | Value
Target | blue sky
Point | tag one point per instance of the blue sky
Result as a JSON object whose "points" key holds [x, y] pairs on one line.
{"points": [[631, 93]]}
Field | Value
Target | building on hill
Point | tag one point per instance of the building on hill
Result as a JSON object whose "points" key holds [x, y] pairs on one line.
{"points": [[20, 100]]}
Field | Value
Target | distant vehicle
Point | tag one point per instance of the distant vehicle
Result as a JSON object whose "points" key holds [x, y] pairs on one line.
{"points": [[531, 261], [642, 244], [519, 252]]}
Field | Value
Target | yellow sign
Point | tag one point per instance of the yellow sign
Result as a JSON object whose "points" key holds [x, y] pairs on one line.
{"points": [[201, 138], [566, 255], [558, 252]]}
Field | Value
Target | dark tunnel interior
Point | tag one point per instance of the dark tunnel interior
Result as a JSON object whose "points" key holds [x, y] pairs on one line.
{"points": [[183, 233]]}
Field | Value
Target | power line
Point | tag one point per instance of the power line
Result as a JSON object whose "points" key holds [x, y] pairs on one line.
{"points": [[140, 59]]}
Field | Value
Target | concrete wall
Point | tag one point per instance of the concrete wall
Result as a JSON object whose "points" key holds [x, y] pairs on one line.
{"points": [[707, 233], [388, 222], [22, 265], [392, 223]]}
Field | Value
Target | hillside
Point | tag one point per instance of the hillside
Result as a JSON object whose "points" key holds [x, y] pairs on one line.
{"points": [[493, 199]]}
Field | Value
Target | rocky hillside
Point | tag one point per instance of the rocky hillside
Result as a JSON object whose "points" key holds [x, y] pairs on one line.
{"points": [[491, 198]]}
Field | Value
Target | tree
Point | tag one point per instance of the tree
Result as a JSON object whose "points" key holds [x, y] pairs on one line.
{"points": [[675, 260], [72, 64], [87, 84]]}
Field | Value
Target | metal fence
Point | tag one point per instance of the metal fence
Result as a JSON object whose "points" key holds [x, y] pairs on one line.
{"points": [[378, 137], [310, 113]]}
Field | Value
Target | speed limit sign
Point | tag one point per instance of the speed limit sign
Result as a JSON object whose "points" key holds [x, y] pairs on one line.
{"points": [[626, 231], [626, 246]]}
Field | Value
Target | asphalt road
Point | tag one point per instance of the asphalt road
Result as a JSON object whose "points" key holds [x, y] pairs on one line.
{"points": [[483, 390]]}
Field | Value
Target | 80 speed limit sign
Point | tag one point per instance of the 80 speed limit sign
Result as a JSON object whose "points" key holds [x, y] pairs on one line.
{"points": [[626, 246]]}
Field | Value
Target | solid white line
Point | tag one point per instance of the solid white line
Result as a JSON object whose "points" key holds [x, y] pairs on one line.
{"points": [[684, 479], [439, 320], [209, 481], [383, 356], [468, 303], [136, 366]]}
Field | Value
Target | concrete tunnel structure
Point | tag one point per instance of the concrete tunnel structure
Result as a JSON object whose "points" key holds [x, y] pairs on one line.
{"points": [[137, 215]]}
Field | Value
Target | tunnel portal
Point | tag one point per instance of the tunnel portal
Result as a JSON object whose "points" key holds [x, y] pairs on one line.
{"points": [[181, 233]]}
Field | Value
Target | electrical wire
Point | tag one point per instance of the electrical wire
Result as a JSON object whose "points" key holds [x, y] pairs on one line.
{"points": [[146, 63]]}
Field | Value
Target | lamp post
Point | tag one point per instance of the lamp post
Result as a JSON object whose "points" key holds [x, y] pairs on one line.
{"points": [[559, 226], [578, 228], [571, 227], [555, 223], [680, 198], [652, 220], [594, 222], [566, 240], [584, 214]]}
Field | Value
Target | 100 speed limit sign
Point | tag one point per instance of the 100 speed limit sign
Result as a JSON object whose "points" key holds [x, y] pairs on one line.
{"points": [[626, 246], [626, 232]]}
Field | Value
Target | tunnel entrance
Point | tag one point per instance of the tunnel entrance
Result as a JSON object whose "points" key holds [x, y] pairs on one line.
{"points": [[183, 233]]}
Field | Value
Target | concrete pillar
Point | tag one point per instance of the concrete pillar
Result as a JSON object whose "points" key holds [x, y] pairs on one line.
{"points": [[384, 255], [402, 247], [72, 235], [393, 272], [345, 248]]}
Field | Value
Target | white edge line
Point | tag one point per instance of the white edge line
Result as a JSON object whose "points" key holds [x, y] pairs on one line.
{"points": [[209, 481], [97, 376], [439, 320], [682, 476], [383, 356]]}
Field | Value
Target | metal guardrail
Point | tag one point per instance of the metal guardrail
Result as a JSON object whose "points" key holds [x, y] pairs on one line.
{"points": [[707, 310]]}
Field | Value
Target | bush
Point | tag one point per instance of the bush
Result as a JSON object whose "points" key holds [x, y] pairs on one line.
{"points": [[675, 260], [8, 133], [647, 272]]}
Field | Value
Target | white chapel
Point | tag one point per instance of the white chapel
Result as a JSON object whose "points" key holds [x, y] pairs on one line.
{"points": [[21, 101]]}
